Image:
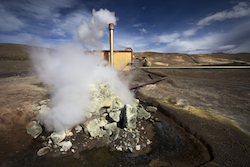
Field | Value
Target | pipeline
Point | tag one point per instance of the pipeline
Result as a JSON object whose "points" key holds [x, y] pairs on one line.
{"points": [[193, 59], [145, 83], [197, 67]]}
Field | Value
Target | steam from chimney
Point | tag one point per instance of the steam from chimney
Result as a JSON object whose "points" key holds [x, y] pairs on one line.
{"points": [[68, 70], [91, 32]]}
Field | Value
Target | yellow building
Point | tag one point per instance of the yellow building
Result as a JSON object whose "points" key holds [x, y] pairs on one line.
{"points": [[121, 59]]}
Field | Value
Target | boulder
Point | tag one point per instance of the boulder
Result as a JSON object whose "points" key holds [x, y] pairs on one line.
{"points": [[44, 109], [111, 126], [105, 132], [115, 134], [93, 127], [151, 109], [142, 113], [103, 97], [115, 115], [117, 104], [43, 151], [34, 129], [43, 102], [57, 137], [137, 102], [66, 145], [78, 128], [102, 122], [36, 109], [130, 113]]}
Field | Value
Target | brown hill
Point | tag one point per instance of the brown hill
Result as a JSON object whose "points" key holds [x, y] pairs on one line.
{"points": [[14, 51]]}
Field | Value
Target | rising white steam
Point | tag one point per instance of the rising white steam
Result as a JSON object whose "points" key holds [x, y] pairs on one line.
{"points": [[90, 33], [69, 70]]}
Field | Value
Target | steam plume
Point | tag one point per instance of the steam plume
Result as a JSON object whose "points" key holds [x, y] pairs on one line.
{"points": [[69, 70], [91, 32]]}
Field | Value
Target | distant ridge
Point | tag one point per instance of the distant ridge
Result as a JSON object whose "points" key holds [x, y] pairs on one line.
{"points": [[15, 51]]}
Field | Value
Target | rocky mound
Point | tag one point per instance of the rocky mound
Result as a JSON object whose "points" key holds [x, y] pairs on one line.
{"points": [[122, 127]]}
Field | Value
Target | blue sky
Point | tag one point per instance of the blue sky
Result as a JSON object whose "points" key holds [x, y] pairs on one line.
{"points": [[184, 26]]}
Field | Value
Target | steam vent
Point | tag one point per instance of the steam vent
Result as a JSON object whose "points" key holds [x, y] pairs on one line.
{"points": [[122, 127], [129, 131]]}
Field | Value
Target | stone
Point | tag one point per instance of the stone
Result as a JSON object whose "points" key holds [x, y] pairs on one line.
{"points": [[93, 128], [36, 109], [137, 102], [117, 104], [105, 133], [142, 113], [66, 145], [34, 129], [69, 134], [44, 109], [101, 95], [57, 137], [119, 148], [115, 115], [50, 141], [151, 109], [102, 122], [88, 115], [43, 151], [111, 126], [103, 110], [130, 116], [131, 149], [78, 128], [138, 147], [115, 134], [43, 102], [148, 141]]}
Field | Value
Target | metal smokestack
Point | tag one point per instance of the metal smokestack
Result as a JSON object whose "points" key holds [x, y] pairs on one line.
{"points": [[111, 28]]}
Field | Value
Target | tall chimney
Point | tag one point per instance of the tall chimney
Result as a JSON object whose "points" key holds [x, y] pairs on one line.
{"points": [[111, 28]]}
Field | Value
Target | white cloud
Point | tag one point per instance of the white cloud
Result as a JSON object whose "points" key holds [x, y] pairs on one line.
{"points": [[226, 47], [189, 32], [238, 11], [8, 21], [166, 38], [234, 41], [42, 9], [29, 39], [143, 30], [137, 25]]}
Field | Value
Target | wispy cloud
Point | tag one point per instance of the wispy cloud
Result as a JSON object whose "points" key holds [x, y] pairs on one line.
{"points": [[238, 11], [41, 19], [210, 42], [137, 25], [234, 41], [189, 32], [9, 22], [143, 31], [166, 38]]}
